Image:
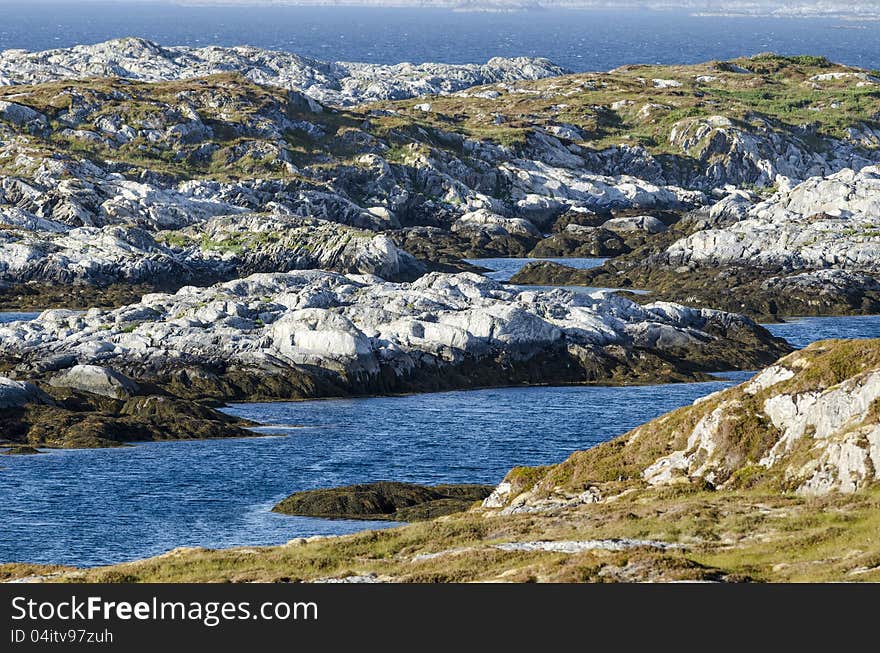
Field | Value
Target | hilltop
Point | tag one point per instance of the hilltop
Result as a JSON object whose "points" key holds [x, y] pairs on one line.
{"points": [[339, 83]]}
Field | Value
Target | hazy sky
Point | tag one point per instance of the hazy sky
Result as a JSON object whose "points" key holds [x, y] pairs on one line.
{"points": [[865, 8], [714, 4]]}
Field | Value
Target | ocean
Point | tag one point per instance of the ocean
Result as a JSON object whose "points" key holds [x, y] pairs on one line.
{"points": [[581, 40]]}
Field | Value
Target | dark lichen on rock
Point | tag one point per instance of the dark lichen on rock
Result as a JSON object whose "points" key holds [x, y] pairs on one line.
{"points": [[20, 450], [63, 417], [384, 500]]}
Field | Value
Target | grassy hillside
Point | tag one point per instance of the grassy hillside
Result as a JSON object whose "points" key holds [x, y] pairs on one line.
{"points": [[256, 131], [636, 105]]}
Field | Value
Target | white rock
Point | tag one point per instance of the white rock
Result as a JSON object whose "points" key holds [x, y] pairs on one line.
{"points": [[578, 546], [666, 83], [646, 223], [350, 325], [767, 378], [831, 222], [485, 221], [96, 380]]}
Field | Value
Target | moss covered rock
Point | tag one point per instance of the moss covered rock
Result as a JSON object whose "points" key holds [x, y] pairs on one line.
{"points": [[383, 500], [578, 241], [21, 450], [64, 417]]}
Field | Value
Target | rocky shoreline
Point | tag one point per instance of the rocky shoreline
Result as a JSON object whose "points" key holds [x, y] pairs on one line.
{"points": [[807, 425], [314, 334], [89, 406], [362, 330]]}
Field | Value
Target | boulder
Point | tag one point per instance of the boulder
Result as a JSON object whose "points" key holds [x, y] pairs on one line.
{"points": [[16, 394], [383, 500], [21, 115], [484, 221], [646, 223]]}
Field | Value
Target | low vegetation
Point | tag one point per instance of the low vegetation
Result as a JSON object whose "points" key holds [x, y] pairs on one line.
{"points": [[733, 536], [636, 105]]}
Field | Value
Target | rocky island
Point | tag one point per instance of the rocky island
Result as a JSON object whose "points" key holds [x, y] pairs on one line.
{"points": [[384, 500]]}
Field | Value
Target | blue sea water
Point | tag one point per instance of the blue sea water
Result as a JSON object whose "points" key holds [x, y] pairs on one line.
{"points": [[502, 269], [802, 331], [15, 316], [578, 39], [89, 507]]}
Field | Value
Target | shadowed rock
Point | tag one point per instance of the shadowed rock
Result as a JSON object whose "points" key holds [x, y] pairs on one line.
{"points": [[104, 417], [383, 500], [21, 450], [15, 394]]}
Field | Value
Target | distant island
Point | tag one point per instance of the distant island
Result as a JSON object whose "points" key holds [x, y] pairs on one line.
{"points": [[743, 8]]}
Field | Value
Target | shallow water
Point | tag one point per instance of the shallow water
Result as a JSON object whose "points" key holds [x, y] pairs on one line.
{"points": [[502, 269]]}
